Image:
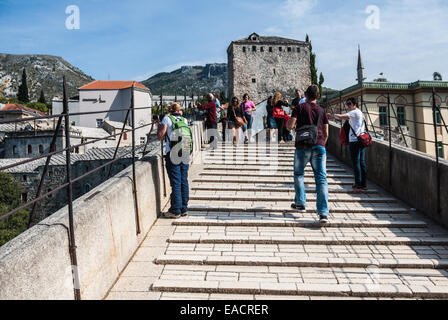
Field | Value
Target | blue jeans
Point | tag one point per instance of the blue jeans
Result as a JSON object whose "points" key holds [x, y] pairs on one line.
{"points": [[180, 194], [318, 157], [250, 121], [358, 155]]}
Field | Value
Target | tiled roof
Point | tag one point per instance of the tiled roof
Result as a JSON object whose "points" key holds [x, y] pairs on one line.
{"points": [[112, 85], [59, 159], [269, 40], [18, 107]]}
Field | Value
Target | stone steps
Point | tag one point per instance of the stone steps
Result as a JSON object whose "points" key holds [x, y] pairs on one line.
{"points": [[302, 289], [286, 209], [188, 258], [250, 160], [226, 168], [222, 196], [265, 180], [262, 174], [214, 187], [297, 240], [256, 222]]}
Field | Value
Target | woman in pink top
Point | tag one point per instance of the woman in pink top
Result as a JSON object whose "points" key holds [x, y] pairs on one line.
{"points": [[248, 111]]}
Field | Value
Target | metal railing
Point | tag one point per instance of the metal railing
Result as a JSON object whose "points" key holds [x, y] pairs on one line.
{"points": [[438, 123], [63, 126]]}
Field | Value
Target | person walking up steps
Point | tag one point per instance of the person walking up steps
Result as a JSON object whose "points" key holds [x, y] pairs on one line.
{"points": [[174, 128], [271, 124], [210, 122], [357, 150], [235, 120], [248, 111], [311, 123], [279, 115]]}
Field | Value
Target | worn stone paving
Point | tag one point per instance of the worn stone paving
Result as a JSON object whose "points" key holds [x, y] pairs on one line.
{"points": [[242, 241]]}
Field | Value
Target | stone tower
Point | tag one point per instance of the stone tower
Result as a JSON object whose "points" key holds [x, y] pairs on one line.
{"points": [[261, 65], [361, 76]]}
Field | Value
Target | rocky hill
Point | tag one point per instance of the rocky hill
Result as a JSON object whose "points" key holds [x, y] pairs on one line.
{"points": [[192, 79], [43, 72]]}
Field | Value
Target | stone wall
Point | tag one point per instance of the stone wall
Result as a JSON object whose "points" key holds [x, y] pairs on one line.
{"points": [[413, 178], [273, 71], [36, 264]]}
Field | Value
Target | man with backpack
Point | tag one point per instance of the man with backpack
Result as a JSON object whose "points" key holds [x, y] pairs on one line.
{"points": [[311, 123], [357, 126], [179, 145]]}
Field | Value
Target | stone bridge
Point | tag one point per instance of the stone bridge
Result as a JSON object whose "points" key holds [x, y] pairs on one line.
{"points": [[241, 239]]}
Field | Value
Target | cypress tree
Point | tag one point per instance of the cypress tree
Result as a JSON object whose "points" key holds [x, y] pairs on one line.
{"points": [[313, 69], [22, 95], [42, 97], [321, 82]]}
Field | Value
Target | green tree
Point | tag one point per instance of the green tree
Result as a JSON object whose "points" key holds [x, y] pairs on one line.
{"points": [[42, 107], [42, 97], [313, 68], [321, 82], [10, 198], [23, 95]]}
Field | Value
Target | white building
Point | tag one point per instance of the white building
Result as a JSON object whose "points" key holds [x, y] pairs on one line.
{"points": [[111, 97]]}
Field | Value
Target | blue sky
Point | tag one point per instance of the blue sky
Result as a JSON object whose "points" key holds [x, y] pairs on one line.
{"points": [[135, 39]]}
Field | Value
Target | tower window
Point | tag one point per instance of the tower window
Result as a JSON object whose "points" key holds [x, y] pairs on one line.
{"points": [[280, 49], [274, 71], [289, 49], [244, 49], [14, 150], [254, 80], [254, 49], [298, 49], [41, 149], [270, 49], [30, 149], [261, 49]]}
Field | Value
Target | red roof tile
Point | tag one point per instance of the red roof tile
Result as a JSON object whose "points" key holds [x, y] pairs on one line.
{"points": [[111, 85], [19, 107]]}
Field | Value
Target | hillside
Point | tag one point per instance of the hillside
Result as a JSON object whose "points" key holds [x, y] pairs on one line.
{"points": [[43, 72], [192, 79]]}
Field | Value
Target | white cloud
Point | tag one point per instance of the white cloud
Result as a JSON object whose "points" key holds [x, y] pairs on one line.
{"points": [[297, 8], [410, 44]]}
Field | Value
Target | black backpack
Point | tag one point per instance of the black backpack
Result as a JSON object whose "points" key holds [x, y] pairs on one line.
{"points": [[307, 135]]}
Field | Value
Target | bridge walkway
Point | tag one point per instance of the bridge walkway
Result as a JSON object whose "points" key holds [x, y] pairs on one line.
{"points": [[241, 240]]}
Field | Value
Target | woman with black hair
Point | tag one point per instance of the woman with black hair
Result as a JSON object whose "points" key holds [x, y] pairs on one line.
{"points": [[279, 114], [235, 120], [357, 150]]}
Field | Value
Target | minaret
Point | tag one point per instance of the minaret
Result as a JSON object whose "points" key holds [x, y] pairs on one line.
{"points": [[361, 77]]}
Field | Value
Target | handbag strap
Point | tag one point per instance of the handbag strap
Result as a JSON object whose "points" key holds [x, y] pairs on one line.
{"points": [[365, 124]]}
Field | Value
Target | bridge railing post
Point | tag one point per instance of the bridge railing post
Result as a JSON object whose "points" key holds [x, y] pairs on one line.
{"points": [[72, 242], [436, 143], [134, 176]]}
